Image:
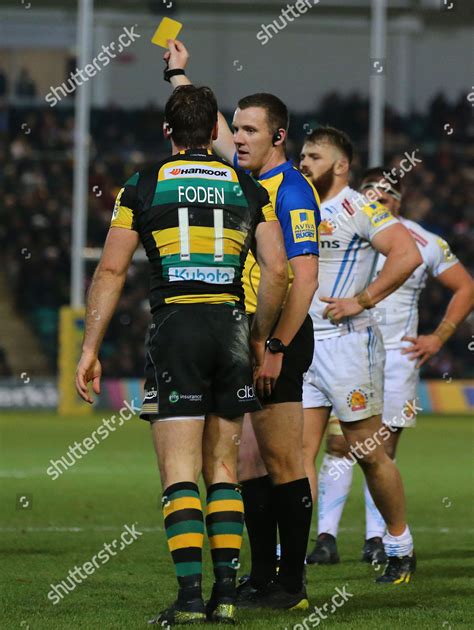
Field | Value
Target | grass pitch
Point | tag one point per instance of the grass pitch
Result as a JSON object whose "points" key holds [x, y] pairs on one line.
{"points": [[62, 523]]}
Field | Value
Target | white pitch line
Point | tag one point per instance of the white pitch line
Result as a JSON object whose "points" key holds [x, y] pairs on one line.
{"points": [[157, 528]]}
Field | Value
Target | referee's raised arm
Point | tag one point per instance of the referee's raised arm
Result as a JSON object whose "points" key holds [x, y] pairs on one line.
{"points": [[176, 59]]}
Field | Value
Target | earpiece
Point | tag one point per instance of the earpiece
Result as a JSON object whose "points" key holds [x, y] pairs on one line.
{"points": [[276, 137]]}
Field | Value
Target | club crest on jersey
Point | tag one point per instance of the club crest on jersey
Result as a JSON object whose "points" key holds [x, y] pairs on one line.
{"points": [[377, 213], [327, 227], [357, 400], [303, 225]]}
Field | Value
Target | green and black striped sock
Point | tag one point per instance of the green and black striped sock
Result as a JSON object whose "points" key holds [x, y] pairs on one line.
{"points": [[184, 526], [225, 524]]}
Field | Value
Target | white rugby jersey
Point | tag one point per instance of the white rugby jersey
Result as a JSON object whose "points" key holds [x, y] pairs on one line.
{"points": [[349, 222], [397, 314]]}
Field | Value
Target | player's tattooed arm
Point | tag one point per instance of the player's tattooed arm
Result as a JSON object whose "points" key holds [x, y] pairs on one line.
{"points": [[177, 56], [459, 281], [102, 299]]}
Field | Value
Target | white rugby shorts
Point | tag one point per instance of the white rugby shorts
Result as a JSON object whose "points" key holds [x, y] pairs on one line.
{"points": [[347, 374], [401, 381]]}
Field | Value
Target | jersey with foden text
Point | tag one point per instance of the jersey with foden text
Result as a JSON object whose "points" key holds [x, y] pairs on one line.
{"points": [[397, 314], [347, 259], [196, 216]]}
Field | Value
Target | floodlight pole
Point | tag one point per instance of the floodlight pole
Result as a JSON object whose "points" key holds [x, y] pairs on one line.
{"points": [[81, 153], [378, 68]]}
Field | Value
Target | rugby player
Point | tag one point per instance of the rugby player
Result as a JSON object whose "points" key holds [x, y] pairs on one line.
{"points": [[196, 217], [406, 351], [347, 370], [275, 488]]}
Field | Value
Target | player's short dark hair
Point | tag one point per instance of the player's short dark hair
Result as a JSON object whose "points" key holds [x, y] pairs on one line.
{"points": [[334, 137], [191, 113], [277, 112], [376, 173]]}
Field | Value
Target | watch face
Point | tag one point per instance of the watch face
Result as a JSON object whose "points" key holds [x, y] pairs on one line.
{"points": [[275, 345]]}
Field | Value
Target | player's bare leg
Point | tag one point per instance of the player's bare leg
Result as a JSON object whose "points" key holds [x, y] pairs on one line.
{"points": [[224, 512], [386, 488], [184, 448], [279, 432], [335, 483], [391, 443], [250, 462], [383, 479], [220, 448], [179, 453], [172, 438]]}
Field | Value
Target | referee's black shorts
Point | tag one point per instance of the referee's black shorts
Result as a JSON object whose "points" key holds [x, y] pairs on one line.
{"points": [[296, 362], [198, 362]]}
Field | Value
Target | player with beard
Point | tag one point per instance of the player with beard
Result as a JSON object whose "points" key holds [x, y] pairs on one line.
{"points": [[347, 370], [405, 351]]}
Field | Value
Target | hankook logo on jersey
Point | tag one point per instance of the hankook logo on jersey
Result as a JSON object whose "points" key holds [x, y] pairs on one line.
{"points": [[196, 170], [211, 275], [246, 393], [303, 225]]}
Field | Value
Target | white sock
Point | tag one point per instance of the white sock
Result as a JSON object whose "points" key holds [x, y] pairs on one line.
{"points": [[335, 479], [398, 545], [374, 523]]}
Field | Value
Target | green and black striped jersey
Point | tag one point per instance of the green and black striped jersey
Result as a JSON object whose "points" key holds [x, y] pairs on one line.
{"points": [[196, 216]]}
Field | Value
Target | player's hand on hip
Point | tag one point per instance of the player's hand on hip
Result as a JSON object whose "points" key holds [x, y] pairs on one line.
{"points": [[339, 308], [88, 369], [422, 348], [177, 55], [266, 377]]}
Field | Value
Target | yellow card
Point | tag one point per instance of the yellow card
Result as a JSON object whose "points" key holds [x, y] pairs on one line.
{"points": [[167, 29]]}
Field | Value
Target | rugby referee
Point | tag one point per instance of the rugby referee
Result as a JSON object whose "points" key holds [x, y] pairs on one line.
{"points": [[275, 487], [196, 217]]}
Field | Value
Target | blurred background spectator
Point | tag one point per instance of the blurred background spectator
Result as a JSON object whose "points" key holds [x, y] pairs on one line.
{"points": [[36, 205]]}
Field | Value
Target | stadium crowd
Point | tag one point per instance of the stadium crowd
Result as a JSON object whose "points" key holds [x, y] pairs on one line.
{"points": [[36, 179]]}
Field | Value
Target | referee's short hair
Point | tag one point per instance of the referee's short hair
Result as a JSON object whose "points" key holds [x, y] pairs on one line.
{"points": [[191, 113], [334, 137], [277, 112]]}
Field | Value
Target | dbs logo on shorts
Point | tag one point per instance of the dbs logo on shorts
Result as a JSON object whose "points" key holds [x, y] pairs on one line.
{"points": [[246, 393], [357, 400]]}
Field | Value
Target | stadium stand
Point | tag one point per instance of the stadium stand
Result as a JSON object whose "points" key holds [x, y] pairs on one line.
{"points": [[36, 207]]}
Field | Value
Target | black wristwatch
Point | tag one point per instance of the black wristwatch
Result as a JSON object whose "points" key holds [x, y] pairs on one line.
{"points": [[275, 345], [167, 73]]}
